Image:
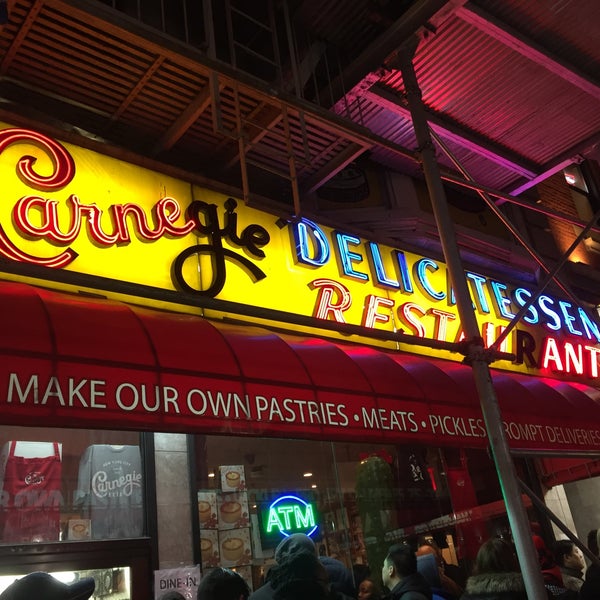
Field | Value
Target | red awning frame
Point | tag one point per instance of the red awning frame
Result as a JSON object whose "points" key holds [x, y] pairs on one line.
{"points": [[51, 343]]}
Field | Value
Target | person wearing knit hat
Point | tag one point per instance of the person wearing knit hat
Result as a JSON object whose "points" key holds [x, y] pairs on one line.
{"points": [[340, 578], [42, 586], [292, 544]]}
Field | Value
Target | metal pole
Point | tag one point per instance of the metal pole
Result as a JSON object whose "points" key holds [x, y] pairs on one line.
{"points": [[552, 274], [476, 354]]}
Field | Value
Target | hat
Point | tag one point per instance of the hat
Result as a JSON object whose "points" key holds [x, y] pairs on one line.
{"points": [[291, 544], [339, 575], [43, 586], [172, 596]]}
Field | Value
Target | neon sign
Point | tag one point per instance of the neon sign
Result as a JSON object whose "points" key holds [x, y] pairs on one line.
{"points": [[70, 208], [290, 514], [36, 217]]}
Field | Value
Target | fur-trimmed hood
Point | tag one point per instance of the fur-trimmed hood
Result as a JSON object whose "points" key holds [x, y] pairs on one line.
{"points": [[495, 582]]}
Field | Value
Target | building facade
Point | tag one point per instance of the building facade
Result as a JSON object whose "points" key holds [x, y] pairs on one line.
{"points": [[227, 311]]}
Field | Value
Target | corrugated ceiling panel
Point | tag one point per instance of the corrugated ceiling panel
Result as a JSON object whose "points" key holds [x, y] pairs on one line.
{"points": [[399, 130], [490, 89], [555, 24]]}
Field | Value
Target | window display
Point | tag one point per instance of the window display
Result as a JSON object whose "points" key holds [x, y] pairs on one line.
{"points": [[31, 491], [354, 500], [69, 485], [109, 490]]}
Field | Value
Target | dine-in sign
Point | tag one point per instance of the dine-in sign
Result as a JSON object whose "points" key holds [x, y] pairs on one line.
{"points": [[67, 208], [290, 514]]}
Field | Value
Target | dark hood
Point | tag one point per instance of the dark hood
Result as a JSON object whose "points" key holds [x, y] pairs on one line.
{"points": [[340, 576]]}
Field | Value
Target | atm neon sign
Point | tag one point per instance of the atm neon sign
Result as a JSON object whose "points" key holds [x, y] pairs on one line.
{"points": [[291, 514]]}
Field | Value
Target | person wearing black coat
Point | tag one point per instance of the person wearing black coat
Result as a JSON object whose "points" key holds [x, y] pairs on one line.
{"points": [[295, 543], [590, 590], [399, 574]]}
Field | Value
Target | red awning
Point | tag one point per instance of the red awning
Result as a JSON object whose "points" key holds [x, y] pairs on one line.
{"points": [[72, 361], [556, 471]]}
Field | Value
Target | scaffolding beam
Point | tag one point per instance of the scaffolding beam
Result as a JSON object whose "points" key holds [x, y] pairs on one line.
{"points": [[475, 353]]}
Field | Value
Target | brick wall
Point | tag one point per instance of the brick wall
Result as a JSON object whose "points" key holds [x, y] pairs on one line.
{"points": [[556, 195]]}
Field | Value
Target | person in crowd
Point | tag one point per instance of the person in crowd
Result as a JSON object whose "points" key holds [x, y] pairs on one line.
{"points": [[448, 587], [590, 590], [297, 542], [429, 568], [300, 576], [399, 574], [360, 573], [340, 578], [455, 572], [172, 595], [553, 580], [368, 590], [42, 586], [496, 574], [223, 584], [570, 560]]}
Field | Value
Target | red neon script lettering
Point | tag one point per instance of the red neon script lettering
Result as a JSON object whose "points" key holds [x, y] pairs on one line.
{"points": [[62, 174], [46, 222]]}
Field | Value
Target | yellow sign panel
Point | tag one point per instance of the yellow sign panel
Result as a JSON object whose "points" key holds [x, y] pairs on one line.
{"points": [[73, 210]]}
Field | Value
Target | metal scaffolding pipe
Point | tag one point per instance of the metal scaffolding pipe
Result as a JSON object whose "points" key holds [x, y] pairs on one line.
{"points": [[476, 355], [505, 220], [527, 204]]}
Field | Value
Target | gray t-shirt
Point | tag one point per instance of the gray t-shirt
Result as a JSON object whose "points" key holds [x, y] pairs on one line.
{"points": [[110, 490]]}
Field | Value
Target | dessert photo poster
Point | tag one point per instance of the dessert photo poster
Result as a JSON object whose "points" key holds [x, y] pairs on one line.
{"points": [[207, 509], [209, 548], [224, 516], [233, 478], [235, 548], [233, 510]]}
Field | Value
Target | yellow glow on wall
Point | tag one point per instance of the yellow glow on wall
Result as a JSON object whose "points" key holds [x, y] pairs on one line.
{"points": [[224, 249]]}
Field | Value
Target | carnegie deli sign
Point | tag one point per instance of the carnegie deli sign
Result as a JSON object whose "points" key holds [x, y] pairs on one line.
{"points": [[67, 208]]}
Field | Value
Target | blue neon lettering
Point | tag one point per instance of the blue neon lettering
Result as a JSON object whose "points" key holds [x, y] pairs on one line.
{"points": [[478, 281], [347, 257], [407, 285], [311, 244], [591, 328], [569, 318], [518, 296], [554, 322], [379, 267], [422, 266], [502, 301]]}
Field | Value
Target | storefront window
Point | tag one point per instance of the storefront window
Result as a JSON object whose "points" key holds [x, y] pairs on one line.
{"points": [[354, 500], [69, 485]]}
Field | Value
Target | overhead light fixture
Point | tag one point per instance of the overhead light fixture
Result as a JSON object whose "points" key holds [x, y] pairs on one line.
{"points": [[211, 474], [313, 486], [307, 474]]}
